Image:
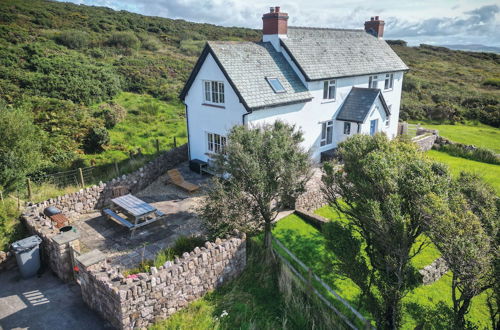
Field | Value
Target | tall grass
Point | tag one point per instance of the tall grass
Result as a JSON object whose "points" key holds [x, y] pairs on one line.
{"points": [[478, 154], [11, 228]]}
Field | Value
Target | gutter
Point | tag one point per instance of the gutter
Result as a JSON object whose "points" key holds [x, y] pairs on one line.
{"points": [[187, 127]]}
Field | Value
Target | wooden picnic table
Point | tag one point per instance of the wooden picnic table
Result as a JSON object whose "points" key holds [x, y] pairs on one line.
{"points": [[137, 209]]}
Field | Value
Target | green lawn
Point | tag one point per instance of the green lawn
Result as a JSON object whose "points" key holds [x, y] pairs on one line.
{"points": [[489, 172], [147, 119], [480, 135], [308, 244]]}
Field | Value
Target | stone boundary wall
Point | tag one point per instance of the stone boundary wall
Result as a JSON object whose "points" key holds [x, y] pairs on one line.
{"points": [[425, 141], [138, 301], [434, 271], [314, 220], [55, 253]]}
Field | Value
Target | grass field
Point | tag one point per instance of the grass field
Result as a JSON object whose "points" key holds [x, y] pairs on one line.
{"points": [[489, 172], [309, 245], [480, 135], [147, 119]]}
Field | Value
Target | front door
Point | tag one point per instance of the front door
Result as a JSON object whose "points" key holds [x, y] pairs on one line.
{"points": [[373, 126]]}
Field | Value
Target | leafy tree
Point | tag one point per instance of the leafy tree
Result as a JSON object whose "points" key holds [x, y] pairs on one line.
{"points": [[465, 230], [383, 189], [20, 146], [265, 169]]}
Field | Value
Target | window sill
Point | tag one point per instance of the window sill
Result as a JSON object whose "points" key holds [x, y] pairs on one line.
{"points": [[327, 101], [214, 105], [388, 90]]}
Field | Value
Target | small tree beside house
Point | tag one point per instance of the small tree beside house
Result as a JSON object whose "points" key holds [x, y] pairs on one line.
{"points": [[265, 170]]}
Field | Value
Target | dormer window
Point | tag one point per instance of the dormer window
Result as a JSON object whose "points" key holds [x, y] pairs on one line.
{"points": [[213, 92], [389, 81], [329, 89], [276, 85], [373, 82]]}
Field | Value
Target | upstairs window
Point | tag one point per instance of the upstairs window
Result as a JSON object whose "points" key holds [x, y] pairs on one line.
{"points": [[216, 143], [347, 128], [329, 89], [214, 92], [276, 85], [389, 81], [373, 82], [326, 133]]}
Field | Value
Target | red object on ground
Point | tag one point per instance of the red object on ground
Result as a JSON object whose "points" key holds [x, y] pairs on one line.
{"points": [[60, 220], [76, 269]]}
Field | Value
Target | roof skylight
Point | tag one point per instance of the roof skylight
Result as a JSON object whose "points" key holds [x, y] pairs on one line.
{"points": [[276, 85]]}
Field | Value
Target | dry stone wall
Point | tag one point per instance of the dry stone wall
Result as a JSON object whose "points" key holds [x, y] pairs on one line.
{"points": [[138, 301], [55, 253]]}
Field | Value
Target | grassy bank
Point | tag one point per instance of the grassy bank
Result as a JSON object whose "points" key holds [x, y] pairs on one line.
{"points": [[480, 135], [489, 172]]}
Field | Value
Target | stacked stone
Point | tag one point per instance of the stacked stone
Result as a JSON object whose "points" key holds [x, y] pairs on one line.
{"points": [[7, 260], [141, 300], [434, 271], [425, 142], [88, 200]]}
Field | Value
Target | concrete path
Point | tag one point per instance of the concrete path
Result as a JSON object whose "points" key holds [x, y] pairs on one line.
{"points": [[44, 303]]}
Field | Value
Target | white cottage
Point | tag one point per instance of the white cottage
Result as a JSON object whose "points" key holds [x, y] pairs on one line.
{"points": [[330, 83]]}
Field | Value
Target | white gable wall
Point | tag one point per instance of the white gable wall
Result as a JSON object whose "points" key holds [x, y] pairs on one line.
{"points": [[203, 119], [377, 112]]}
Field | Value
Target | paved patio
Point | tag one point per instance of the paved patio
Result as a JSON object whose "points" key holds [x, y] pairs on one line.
{"points": [[44, 302], [180, 207]]}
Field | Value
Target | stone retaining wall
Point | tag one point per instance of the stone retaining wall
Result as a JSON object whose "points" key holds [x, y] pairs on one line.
{"points": [[315, 220], [139, 301], [434, 271], [54, 247], [425, 142]]}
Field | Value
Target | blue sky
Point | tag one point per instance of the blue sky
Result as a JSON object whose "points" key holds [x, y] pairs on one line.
{"points": [[427, 21]]}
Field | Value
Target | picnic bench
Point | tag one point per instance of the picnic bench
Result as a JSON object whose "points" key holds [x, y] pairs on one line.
{"points": [[139, 212], [177, 179]]}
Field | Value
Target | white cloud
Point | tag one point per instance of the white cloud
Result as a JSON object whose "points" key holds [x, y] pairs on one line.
{"points": [[415, 21]]}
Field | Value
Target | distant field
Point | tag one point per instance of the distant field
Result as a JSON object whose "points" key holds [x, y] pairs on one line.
{"points": [[489, 172], [147, 119], [483, 136]]}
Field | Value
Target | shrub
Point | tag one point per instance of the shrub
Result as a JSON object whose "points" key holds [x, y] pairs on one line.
{"points": [[112, 114], [96, 139], [11, 228], [477, 154], [73, 39], [494, 82], [192, 47], [127, 40]]}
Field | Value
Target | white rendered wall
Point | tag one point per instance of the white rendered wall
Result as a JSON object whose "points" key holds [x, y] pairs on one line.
{"points": [[309, 116], [376, 112], [203, 119]]}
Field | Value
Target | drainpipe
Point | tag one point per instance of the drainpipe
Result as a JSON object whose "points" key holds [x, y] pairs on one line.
{"points": [[187, 127], [244, 117]]}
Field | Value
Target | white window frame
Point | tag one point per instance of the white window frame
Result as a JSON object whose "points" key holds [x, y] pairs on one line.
{"points": [[388, 81], [213, 92], [325, 139], [216, 143], [327, 89], [348, 126], [282, 90], [373, 81]]}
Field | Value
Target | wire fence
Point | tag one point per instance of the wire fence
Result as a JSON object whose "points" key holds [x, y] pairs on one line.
{"points": [[43, 186]]}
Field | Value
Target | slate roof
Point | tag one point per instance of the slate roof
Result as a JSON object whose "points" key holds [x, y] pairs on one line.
{"points": [[358, 103], [248, 64], [332, 53]]}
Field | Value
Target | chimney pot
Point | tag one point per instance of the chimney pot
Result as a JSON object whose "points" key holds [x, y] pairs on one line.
{"points": [[275, 22], [375, 27]]}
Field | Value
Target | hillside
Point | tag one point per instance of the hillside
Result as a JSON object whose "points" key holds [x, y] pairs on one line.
{"points": [[102, 83]]}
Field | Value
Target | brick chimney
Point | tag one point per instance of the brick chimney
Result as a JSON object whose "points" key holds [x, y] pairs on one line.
{"points": [[275, 26], [375, 27]]}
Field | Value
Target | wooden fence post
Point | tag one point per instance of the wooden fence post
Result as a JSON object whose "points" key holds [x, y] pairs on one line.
{"points": [[80, 175], [175, 142], [1, 197], [30, 194], [157, 146], [117, 169], [18, 201]]}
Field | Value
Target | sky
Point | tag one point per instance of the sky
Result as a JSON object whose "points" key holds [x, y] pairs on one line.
{"points": [[435, 22]]}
